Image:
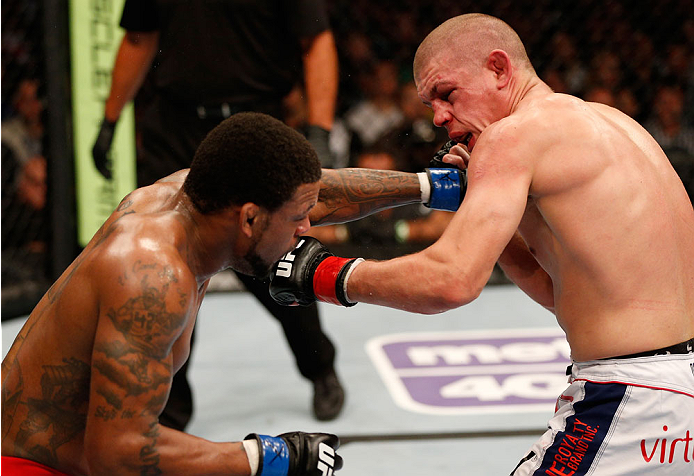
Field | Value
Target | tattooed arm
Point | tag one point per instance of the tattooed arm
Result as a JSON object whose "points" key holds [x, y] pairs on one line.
{"points": [[146, 316], [349, 194]]}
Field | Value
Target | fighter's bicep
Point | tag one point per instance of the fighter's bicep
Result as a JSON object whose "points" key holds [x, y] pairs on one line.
{"points": [[491, 211], [140, 319]]}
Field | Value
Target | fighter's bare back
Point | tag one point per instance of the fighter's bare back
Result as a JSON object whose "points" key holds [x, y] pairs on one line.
{"points": [[62, 389]]}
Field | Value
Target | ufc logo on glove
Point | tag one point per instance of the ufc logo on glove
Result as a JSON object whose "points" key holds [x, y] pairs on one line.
{"points": [[326, 459], [284, 266], [311, 273]]}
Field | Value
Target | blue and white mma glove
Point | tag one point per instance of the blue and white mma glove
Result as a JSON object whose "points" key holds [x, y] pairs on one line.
{"points": [[293, 454], [443, 185]]}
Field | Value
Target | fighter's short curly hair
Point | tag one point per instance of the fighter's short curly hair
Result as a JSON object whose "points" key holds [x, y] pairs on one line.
{"points": [[250, 157]]}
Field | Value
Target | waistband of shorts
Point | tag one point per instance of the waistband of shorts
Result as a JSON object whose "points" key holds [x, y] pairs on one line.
{"points": [[686, 347], [683, 348]]}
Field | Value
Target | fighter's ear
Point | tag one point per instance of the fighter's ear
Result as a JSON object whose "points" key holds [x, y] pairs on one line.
{"points": [[500, 64], [249, 216]]}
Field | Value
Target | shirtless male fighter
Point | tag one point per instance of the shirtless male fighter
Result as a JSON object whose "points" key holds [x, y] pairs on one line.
{"points": [[87, 377], [582, 210]]}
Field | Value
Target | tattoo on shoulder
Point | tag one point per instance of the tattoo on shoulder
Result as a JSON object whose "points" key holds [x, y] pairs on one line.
{"points": [[144, 320], [141, 378], [137, 361]]}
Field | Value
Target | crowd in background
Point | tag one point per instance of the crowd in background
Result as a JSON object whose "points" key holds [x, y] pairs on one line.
{"points": [[635, 56]]}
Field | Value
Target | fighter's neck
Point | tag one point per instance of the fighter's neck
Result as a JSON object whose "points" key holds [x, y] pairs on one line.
{"points": [[209, 239], [525, 91]]}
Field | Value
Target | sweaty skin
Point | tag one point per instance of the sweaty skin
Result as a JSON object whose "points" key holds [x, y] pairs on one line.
{"points": [[90, 371], [575, 200]]}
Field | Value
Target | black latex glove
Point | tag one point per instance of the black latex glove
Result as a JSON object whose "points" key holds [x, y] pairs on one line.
{"points": [[319, 139], [102, 146]]}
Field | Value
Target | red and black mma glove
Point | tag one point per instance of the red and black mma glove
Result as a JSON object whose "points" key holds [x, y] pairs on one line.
{"points": [[297, 454], [311, 273]]}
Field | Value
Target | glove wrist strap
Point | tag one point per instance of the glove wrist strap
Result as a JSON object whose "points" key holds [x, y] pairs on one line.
{"points": [[347, 275], [273, 455], [447, 188], [253, 454], [424, 187], [330, 280]]}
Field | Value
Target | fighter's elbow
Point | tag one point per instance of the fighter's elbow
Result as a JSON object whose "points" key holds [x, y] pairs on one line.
{"points": [[463, 292], [452, 292], [107, 456]]}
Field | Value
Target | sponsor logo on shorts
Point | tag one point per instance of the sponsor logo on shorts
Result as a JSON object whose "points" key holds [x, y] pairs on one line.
{"points": [[572, 449], [671, 449], [494, 371]]}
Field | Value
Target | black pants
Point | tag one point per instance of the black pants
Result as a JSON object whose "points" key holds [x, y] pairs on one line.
{"points": [[170, 134]]}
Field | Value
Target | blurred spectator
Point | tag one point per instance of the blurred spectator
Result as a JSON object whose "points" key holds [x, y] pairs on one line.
{"points": [[674, 136], [602, 95], [678, 64], [623, 99], [391, 232], [627, 103], [24, 193], [666, 124], [643, 73], [564, 61], [606, 70], [379, 113], [416, 137], [355, 54], [555, 80], [679, 68]]}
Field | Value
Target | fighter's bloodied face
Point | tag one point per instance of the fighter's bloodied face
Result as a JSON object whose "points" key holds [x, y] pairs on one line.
{"points": [[283, 227], [459, 94]]}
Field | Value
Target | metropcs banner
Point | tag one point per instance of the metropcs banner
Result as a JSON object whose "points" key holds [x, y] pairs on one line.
{"points": [[473, 372], [94, 40]]}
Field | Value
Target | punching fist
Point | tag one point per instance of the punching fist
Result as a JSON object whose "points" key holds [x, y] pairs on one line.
{"points": [[102, 147], [310, 273], [447, 188], [297, 454], [437, 161], [451, 155], [443, 185]]}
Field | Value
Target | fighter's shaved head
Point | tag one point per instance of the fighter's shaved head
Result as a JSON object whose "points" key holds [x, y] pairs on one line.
{"points": [[469, 39]]}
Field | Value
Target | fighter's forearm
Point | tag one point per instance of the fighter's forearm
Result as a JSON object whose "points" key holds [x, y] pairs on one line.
{"points": [[156, 449], [135, 55], [199, 457], [349, 194], [321, 79]]}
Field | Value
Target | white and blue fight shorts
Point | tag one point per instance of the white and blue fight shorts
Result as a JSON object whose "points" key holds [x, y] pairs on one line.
{"points": [[621, 416]]}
